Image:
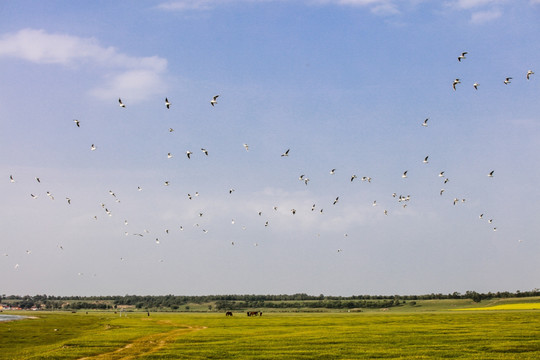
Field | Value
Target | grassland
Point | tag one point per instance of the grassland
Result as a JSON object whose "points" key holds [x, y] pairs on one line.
{"points": [[426, 331]]}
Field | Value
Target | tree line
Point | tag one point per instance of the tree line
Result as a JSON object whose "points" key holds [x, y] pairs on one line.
{"points": [[239, 302]]}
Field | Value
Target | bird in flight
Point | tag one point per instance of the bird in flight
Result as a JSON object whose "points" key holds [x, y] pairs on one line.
{"points": [[475, 85], [491, 173], [529, 73], [507, 80], [353, 177], [93, 147], [214, 100], [188, 154], [169, 155], [425, 161], [167, 103], [77, 122], [425, 122], [335, 201], [286, 153], [332, 172], [246, 146], [456, 81], [462, 56], [11, 178], [404, 174], [120, 103], [204, 151]]}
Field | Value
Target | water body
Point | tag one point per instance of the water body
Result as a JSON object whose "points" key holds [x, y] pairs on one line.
{"points": [[10, 317]]}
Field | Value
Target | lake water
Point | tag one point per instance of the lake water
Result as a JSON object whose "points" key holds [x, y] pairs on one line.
{"points": [[10, 317]]}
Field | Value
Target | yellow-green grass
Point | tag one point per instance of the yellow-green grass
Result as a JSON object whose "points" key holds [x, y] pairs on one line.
{"points": [[518, 306], [373, 335]]}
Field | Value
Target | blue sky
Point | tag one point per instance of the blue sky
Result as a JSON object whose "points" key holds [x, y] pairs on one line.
{"points": [[344, 85]]}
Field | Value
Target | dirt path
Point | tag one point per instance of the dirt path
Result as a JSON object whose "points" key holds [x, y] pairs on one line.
{"points": [[144, 345]]}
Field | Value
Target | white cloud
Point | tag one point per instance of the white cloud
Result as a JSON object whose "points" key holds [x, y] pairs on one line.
{"points": [[481, 11], [470, 4], [376, 6], [182, 5], [127, 76], [481, 17]]}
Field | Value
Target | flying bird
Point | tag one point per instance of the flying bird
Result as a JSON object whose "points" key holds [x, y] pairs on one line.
{"points": [[404, 174], [425, 161], [204, 151], [491, 173], [38, 180], [456, 81], [77, 122], [335, 201], [286, 153], [169, 155], [214, 100], [93, 147], [507, 80], [529, 73], [462, 56], [11, 178], [68, 200], [121, 103], [332, 172], [34, 196], [188, 154], [167, 103], [441, 174], [171, 129], [475, 85], [246, 146], [353, 177], [425, 122]]}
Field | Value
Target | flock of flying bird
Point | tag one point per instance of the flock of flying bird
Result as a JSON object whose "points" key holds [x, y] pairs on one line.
{"points": [[402, 199], [506, 81]]}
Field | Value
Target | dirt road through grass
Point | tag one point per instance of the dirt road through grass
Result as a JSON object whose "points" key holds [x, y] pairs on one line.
{"points": [[144, 345]]}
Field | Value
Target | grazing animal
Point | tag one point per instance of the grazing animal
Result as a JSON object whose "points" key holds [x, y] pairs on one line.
{"points": [[229, 313]]}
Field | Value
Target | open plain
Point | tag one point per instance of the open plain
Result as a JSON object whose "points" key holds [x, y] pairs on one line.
{"points": [[427, 330]]}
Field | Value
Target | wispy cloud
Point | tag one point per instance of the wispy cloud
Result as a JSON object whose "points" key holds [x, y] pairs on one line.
{"points": [[381, 7], [480, 17], [481, 11], [127, 76], [182, 5], [471, 4]]}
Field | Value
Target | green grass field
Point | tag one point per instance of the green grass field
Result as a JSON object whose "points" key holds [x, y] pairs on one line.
{"points": [[428, 334]]}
